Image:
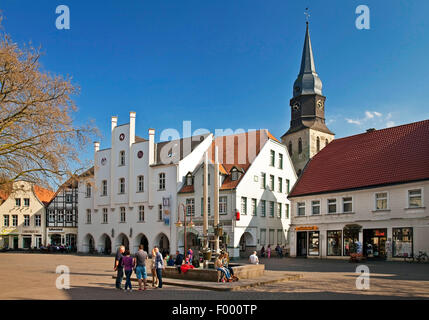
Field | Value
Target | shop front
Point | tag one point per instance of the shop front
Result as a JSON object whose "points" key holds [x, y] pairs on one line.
{"points": [[66, 237], [9, 238], [374, 243], [307, 241]]}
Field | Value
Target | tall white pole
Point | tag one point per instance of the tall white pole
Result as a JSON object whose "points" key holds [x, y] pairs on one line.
{"points": [[205, 215], [216, 198]]}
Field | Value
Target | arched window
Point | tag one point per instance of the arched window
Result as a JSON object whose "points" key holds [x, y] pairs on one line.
{"points": [[140, 183], [299, 146], [290, 148], [326, 142], [318, 144], [88, 190]]}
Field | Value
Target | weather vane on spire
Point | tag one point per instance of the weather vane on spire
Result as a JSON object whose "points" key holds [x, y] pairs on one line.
{"points": [[307, 15]]}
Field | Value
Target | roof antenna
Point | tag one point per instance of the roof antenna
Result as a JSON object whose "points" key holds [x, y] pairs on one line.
{"points": [[307, 15]]}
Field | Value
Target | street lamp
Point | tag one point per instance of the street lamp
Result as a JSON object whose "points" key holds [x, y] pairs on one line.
{"points": [[180, 224]]}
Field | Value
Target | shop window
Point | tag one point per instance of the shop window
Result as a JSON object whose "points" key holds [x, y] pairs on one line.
{"points": [[402, 245], [313, 245], [334, 243], [350, 240]]}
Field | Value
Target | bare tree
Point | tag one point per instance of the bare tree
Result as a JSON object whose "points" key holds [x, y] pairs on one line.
{"points": [[38, 139]]}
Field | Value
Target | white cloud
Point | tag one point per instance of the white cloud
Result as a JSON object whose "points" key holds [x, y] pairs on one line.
{"points": [[390, 124], [353, 121], [372, 119]]}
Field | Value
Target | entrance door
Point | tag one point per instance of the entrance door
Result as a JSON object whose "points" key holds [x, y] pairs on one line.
{"points": [[375, 243], [15, 242], [301, 244]]}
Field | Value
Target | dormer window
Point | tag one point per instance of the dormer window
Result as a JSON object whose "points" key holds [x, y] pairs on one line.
{"points": [[234, 174], [189, 179]]}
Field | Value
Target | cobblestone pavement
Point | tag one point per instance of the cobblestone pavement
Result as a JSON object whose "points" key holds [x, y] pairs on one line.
{"points": [[32, 276]]}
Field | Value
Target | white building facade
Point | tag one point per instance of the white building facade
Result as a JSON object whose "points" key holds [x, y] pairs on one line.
{"points": [[132, 195]]}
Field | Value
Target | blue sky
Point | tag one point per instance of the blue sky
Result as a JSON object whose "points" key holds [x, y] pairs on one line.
{"points": [[232, 64]]}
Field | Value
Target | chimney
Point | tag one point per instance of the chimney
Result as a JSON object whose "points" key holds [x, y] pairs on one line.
{"points": [[114, 122], [96, 146], [370, 130], [151, 146], [132, 127]]}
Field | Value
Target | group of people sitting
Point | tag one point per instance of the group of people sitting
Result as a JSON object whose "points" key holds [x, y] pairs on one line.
{"points": [[222, 264]]}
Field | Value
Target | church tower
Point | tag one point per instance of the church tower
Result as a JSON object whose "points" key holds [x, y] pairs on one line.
{"points": [[308, 133]]}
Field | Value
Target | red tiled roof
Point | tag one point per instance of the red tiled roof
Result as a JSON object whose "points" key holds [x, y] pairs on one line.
{"points": [[44, 195], [187, 189], [388, 156]]}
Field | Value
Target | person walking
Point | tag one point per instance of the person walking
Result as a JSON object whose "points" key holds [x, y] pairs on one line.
{"points": [[179, 261], [269, 251], [128, 264], [140, 265], [191, 255], [153, 269], [118, 267], [159, 266], [263, 252], [254, 258]]}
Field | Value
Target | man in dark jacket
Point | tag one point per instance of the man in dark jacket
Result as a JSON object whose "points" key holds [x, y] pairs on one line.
{"points": [[118, 267], [179, 261]]}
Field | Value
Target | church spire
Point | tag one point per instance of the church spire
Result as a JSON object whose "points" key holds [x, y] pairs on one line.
{"points": [[307, 82]]}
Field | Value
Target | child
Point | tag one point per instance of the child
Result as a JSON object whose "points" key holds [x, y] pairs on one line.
{"points": [[128, 264]]}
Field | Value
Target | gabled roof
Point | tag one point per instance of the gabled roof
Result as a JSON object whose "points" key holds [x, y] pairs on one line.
{"points": [[237, 150], [380, 157], [44, 195]]}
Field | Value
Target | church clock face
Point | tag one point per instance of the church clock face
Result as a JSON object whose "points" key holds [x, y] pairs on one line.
{"points": [[295, 107], [320, 104]]}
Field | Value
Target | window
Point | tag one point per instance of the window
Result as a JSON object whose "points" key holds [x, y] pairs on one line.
{"points": [[332, 205], [160, 217], [234, 174], [271, 182], [318, 144], [350, 237], [263, 208], [263, 180], [26, 202], [299, 172], [271, 209], [69, 216], [280, 161], [26, 220], [88, 190], [17, 202], [88, 216], [334, 243], [315, 207], [104, 188], [223, 205], [6, 220], [313, 243], [122, 185], [287, 186], [51, 216], [280, 185], [263, 237], [301, 208], [140, 184], [69, 198], [190, 207], [14, 220], [254, 207], [272, 158], [122, 158], [347, 204], [280, 236], [37, 220], [279, 210], [326, 142], [189, 179], [415, 198], [141, 213], [162, 181], [402, 245], [243, 205], [300, 146], [105, 216], [381, 201], [271, 237], [290, 148], [123, 215], [60, 216], [287, 210], [202, 206]]}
